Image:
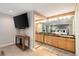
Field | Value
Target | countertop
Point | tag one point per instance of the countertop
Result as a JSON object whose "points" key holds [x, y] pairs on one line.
{"points": [[57, 35]]}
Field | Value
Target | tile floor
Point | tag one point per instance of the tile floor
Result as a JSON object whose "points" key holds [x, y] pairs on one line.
{"points": [[42, 50], [53, 50]]}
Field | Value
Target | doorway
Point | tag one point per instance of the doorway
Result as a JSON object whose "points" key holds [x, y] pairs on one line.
{"points": [[38, 24], [52, 33]]}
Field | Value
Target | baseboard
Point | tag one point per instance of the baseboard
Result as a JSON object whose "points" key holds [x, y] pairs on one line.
{"points": [[7, 44]]}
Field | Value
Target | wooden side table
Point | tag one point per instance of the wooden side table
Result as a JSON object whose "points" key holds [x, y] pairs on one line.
{"points": [[21, 41]]}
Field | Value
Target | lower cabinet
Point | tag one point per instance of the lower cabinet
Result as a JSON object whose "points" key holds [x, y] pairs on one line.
{"points": [[60, 42], [70, 45], [36, 37], [39, 37], [54, 41], [48, 40]]}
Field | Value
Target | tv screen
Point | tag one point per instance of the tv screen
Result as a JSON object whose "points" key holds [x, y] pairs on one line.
{"points": [[21, 21]]}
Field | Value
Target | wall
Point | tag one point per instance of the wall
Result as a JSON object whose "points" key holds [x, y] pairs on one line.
{"points": [[30, 31], [7, 30], [71, 26], [61, 24], [39, 27], [77, 29]]}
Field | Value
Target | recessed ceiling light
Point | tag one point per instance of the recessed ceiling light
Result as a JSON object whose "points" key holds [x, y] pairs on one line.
{"points": [[10, 11]]}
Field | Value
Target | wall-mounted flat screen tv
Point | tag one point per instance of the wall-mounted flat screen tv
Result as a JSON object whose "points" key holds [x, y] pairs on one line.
{"points": [[21, 21]]}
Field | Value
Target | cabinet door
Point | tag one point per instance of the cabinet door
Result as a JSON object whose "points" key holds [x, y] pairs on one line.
{"points": [[55, 41], [51, 40], [70, 45], [62, 43], [48, 39], [39, 37], [36, 37]]}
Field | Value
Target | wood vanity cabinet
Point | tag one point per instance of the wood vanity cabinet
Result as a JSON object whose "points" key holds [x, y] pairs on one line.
{"points": [[48, 39], [70, 44], [54, 41], [39, 37], [36, 36], [51, 40], [66, 44], [62, 42]]}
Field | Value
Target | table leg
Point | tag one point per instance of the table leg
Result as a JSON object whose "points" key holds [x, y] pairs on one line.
{"points": [[16, 40]]}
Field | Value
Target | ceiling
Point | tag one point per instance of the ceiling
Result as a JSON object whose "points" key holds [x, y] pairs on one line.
{"points": [[46, 9], [36, 17]]}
